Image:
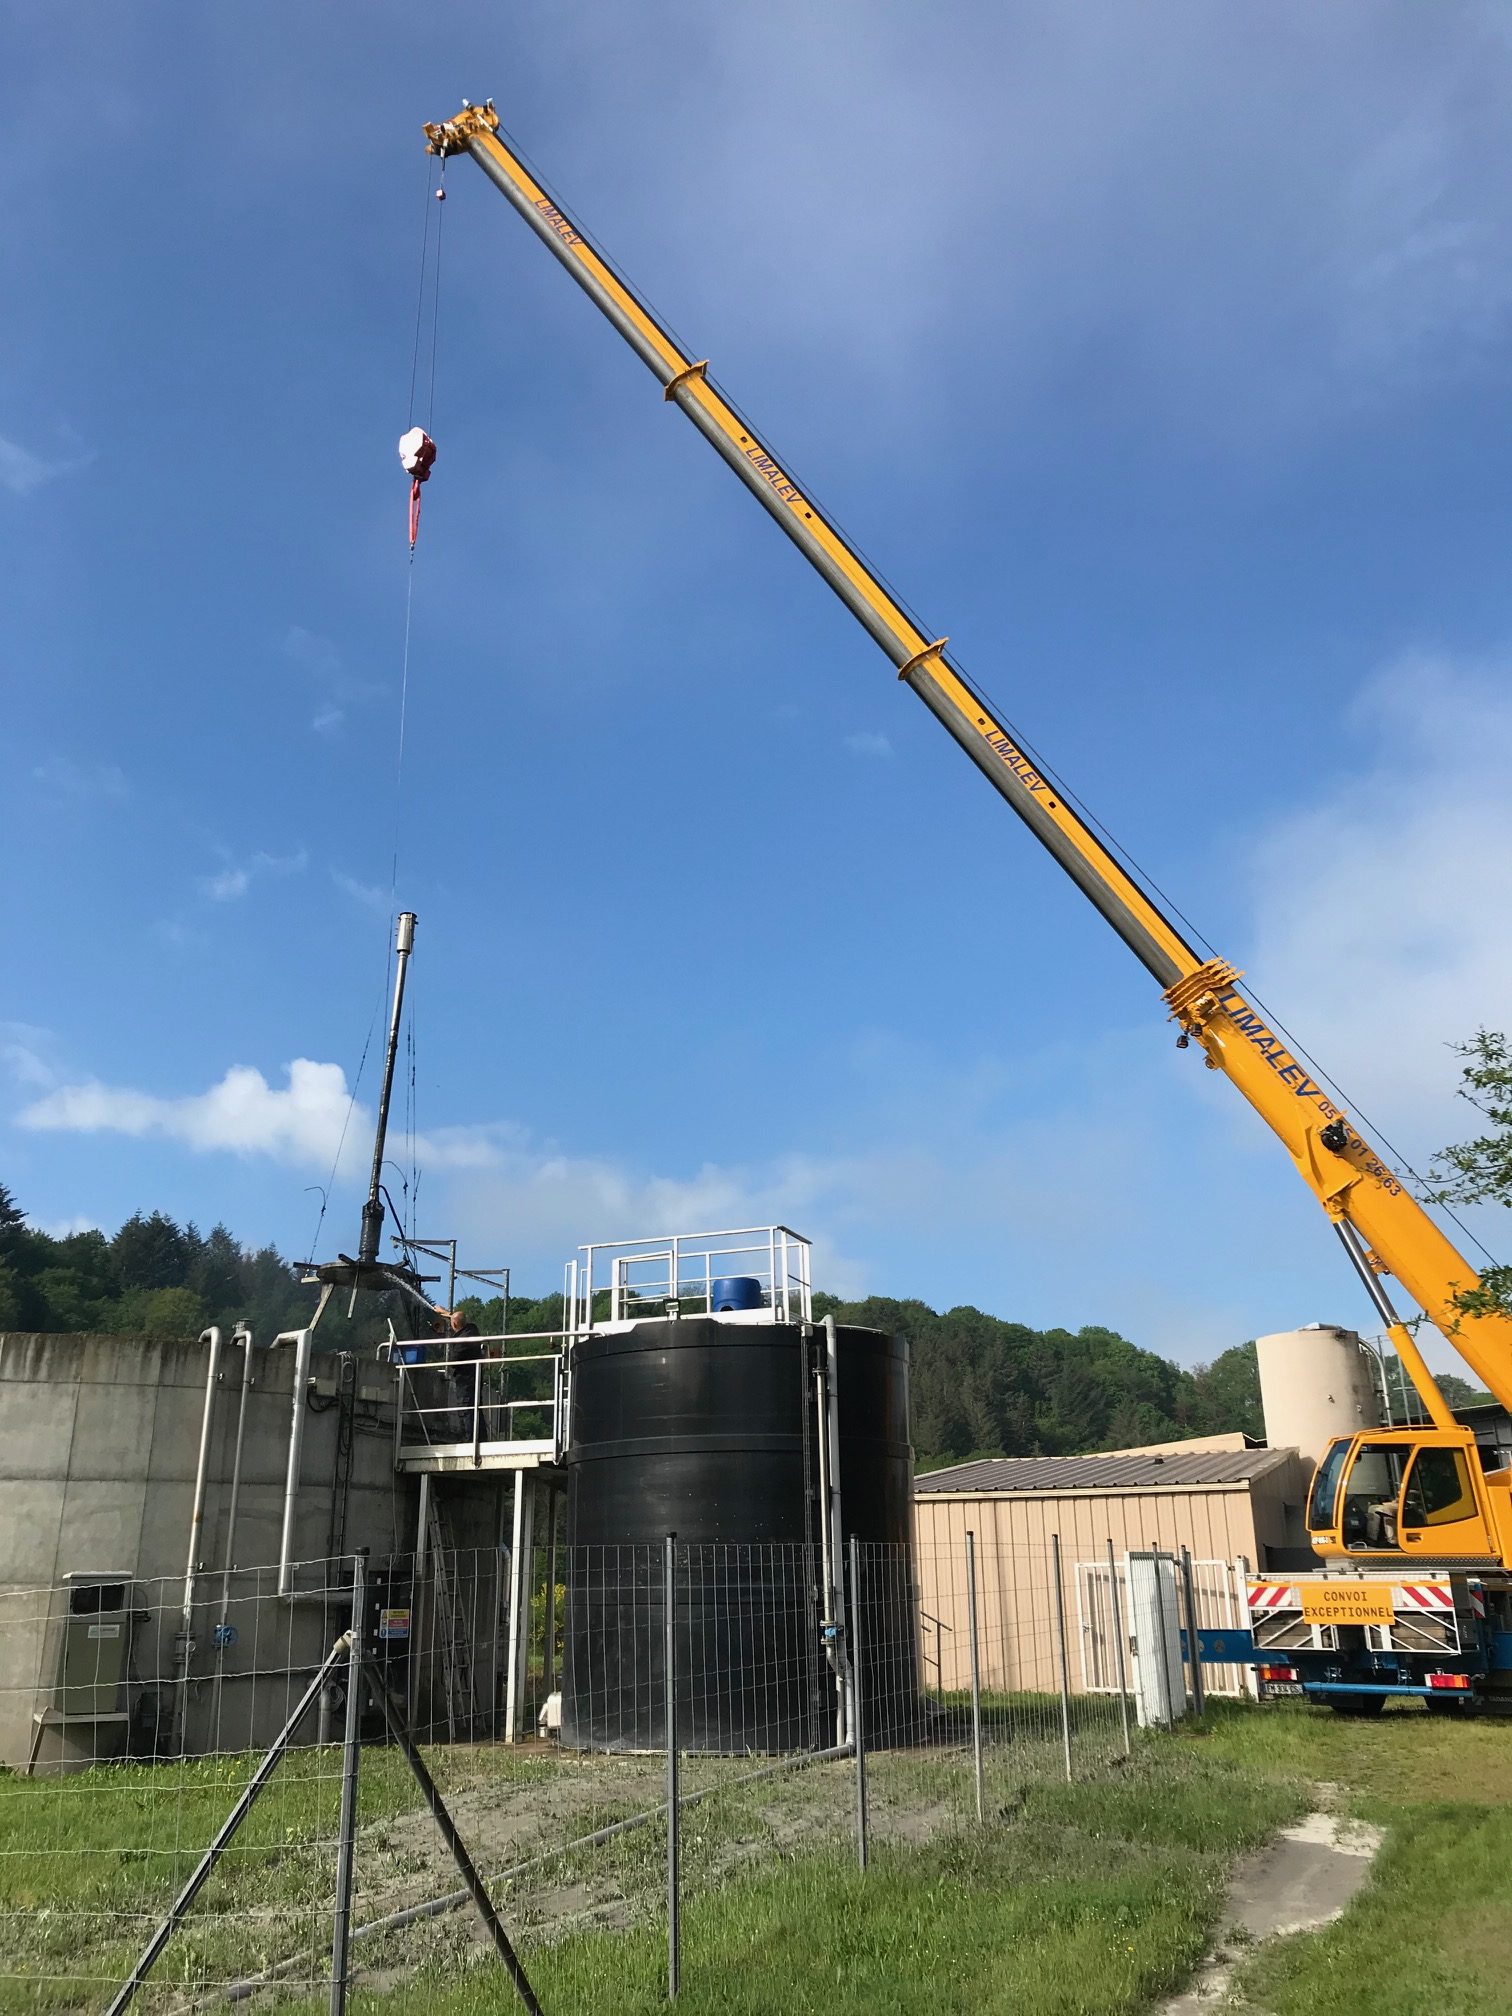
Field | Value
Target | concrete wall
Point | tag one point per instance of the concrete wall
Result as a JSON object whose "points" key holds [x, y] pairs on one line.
{"points": [[99, 1438]]}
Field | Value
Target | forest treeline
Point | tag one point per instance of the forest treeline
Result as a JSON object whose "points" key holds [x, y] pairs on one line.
{"points": [[980, 1385]]}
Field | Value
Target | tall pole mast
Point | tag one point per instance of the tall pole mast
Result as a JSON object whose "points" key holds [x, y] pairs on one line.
{"points": [[372, 1211]]}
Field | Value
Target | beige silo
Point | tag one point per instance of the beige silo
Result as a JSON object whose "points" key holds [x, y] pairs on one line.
{"points": [[1315, 1383]]}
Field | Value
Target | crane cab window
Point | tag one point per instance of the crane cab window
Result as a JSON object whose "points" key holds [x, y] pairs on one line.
{"points": [[1438, 1489], [1368, 1510], [1325, 1489]]}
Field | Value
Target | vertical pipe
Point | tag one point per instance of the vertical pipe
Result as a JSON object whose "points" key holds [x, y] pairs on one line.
{"points": [[669, 1662], [1119, 1644], [185, 1648], [241, 1334], [1060, 1646], [303, 1342], [858, 1697], [1194, 1659], [976, 1674], [477, 1434], [350, 1756]]}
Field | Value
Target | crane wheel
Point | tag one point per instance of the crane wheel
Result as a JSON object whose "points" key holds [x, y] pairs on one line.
{"points": [[1358, 1706]]}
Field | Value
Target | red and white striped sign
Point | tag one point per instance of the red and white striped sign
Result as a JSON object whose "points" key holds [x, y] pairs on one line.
{"points": [[1436, 1597], [1272, 1596]]}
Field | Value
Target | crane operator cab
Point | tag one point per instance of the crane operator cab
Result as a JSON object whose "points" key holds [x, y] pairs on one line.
{"points": [[1418, 1493]]}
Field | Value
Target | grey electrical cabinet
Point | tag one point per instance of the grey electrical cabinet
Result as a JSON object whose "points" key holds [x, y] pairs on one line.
{"points": [[96, 1642]]}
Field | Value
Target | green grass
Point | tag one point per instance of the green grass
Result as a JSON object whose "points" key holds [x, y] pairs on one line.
{"points": [[88, 1864], [1090, 1900], [1429, 1931]]}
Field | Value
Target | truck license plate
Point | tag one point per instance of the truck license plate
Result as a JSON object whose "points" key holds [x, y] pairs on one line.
{"points": [[1282, 1687]]}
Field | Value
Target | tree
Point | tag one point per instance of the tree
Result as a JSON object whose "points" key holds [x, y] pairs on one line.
{"points": [[169, 1313], [1228, 1394], [1479, 1171], [151, 1252]]}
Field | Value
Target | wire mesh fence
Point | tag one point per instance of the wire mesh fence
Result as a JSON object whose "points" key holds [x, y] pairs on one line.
{"points": [[539, 1691]]}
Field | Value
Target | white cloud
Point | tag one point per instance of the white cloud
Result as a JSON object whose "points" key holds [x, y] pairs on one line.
{"points": [[1381, 909], [1134, 201], [26, 1052], [22, 471], [368, 894], [67, 782], [227, 885], [868, 742], [233, 881], [300, 1123], [338, 688], [65, 1228]]}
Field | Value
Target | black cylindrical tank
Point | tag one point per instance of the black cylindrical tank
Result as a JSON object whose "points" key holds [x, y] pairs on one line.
{"points": [[709, 1430]]}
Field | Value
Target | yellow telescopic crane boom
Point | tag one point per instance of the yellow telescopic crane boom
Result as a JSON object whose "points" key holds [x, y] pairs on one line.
{"points": [[1383, 1228]]}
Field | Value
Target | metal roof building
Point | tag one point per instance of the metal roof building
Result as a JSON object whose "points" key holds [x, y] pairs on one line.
{"points": [[1231, 1506]]}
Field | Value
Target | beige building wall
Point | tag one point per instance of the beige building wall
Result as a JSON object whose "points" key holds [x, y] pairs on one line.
{"points": [[1015, 1577]]}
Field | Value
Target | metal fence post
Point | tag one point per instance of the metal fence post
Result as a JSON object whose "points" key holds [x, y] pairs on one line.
{"points": [[350, 1758], [1060, 1644], [1194, 1660], [858, 1690], [1119, 1645], [669, 1660], [976, 1674]]}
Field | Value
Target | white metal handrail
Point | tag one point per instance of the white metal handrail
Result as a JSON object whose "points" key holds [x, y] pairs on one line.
{"points": [[452, 1404], [674, 1273]]}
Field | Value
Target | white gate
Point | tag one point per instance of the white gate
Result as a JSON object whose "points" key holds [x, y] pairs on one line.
{"points": [[1220, 1588]]}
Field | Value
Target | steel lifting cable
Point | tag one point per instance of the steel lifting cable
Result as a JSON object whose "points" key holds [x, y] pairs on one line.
{"points": [[432, 270]]}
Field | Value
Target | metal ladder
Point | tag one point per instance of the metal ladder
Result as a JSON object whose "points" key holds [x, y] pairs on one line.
{"points": [[450, 1637]]}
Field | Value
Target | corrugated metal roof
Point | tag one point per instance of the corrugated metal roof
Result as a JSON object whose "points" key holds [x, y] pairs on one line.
{"points": [[1104, 1473]]}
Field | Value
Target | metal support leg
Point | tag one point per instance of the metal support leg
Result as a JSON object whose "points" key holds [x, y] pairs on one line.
{"points": [[350, 1759], [858, 1723], [393, 1715], [669, 1661], [1060, 1647], [180, 1905], [976, 1675]]}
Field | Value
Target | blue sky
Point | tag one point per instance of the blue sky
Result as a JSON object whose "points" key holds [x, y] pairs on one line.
{"points": [[1159, 354]]}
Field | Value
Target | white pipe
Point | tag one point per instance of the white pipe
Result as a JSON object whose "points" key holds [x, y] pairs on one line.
{"points": [[243, 1336], [303, 1342], [212, 1337]]}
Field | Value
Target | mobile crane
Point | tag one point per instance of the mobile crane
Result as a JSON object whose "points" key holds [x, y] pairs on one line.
{"points": [[1385, 1503]]}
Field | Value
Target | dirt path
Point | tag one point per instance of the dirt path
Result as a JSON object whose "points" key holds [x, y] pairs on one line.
{"points": [[1306, 1877]]}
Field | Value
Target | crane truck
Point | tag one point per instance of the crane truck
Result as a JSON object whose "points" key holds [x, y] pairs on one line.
{"points": [[1413, 1533]]}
